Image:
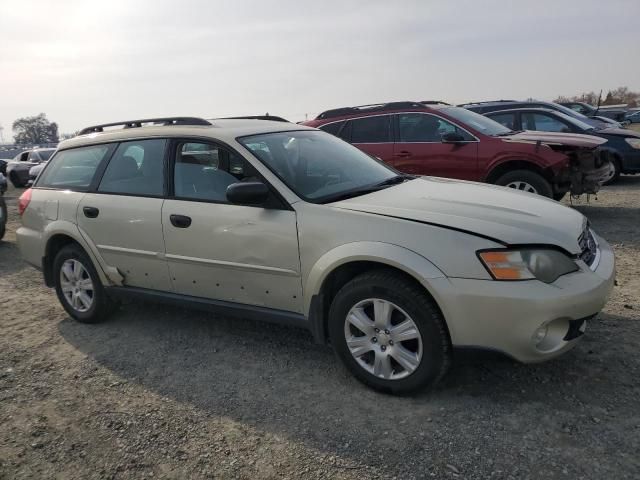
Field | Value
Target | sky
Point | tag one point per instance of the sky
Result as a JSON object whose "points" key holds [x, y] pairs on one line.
{"points": [[85, 62]]}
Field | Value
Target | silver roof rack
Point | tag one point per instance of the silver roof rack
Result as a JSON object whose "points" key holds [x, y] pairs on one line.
{"points": [[139, 123]]}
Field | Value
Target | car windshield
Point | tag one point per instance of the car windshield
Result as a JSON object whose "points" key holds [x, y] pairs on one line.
{"points": [[319, 167], [573, 120], [592, 122], [476, 121]]}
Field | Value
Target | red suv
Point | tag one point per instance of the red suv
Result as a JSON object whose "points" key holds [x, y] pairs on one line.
{"points": [[446, 141]]}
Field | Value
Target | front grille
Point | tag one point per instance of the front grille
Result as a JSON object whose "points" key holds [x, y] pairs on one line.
{"points": [[588, 246]]}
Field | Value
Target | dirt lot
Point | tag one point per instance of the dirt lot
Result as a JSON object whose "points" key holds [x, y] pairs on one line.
{"points": [[162, 392]]}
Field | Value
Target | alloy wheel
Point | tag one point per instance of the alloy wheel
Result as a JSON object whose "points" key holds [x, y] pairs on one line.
{"points": [[76, 284], [383, 339], [522, 186]]}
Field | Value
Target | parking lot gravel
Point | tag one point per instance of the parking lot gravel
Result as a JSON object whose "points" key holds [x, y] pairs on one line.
{"points": [[160, 392]]}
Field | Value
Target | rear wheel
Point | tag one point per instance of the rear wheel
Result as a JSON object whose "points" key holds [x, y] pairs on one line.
{"points": [[78, 286], [526, 181], [389, 333]]}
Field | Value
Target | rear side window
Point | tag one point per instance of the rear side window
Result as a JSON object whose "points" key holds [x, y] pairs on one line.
{"points": [[137, 168], [74, 169], [371, 129]]}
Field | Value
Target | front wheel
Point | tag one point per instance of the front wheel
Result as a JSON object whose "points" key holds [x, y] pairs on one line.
{"points": [[615, 172], [389, 333], [78, 286], [526, 181]]}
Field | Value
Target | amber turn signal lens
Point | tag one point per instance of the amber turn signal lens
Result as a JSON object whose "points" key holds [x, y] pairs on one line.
{"points": [[507, 265]]}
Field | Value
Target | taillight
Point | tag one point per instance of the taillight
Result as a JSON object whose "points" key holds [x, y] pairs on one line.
{"points": [[24, 200]]}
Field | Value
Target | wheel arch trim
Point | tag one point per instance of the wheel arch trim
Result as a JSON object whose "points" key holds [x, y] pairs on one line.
{"points": [[387, 254], [108, 275]]}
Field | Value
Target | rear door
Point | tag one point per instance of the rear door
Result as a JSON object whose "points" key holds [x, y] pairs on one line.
{"points": [[371, 135], [419, 148], [121, 215]]}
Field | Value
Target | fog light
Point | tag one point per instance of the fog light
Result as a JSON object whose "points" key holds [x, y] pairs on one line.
{"points": [[540, 334]]}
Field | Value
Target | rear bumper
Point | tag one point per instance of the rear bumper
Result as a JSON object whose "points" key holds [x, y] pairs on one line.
{"points": [[530, 321]]}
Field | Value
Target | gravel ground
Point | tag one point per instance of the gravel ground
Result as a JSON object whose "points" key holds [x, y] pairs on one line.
{"points": [[166, 393]]}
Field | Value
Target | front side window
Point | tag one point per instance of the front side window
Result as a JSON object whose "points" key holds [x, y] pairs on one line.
{"points": [[203, 171], [543, 123], [420, 127], [315, 165], [136, 168], [506, 119], [371, 129], [73, 169]]}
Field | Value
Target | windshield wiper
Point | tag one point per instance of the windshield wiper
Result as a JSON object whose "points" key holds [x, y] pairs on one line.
{"points": [[394, 180], [510, 132], [356, 192]]}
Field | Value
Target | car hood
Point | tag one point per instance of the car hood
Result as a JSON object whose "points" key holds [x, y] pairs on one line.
{"points": [[619, 132], [556, 138], [498, 213]]}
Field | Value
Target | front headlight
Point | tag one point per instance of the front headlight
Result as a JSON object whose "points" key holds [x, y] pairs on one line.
{"points": [[545, 265], [634, 142]]}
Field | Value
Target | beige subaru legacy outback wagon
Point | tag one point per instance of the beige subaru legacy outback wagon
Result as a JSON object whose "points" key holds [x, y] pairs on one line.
{"points": [[279, 222]]}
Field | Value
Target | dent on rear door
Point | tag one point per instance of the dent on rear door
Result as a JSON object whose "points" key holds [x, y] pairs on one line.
{"points": [[128, 234]]}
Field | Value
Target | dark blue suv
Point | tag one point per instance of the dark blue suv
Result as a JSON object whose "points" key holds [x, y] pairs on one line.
{"points": [[622, 147]]}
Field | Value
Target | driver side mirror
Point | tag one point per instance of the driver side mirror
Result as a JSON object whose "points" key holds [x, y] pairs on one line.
{"points": [[247, 193], [452, 137]]}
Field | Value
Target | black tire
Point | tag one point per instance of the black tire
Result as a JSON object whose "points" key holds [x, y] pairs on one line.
{"points": [[559, 196], [618, 169], [393, 287], [3, 217], [537, 181], [15, 180], [102, 306]]}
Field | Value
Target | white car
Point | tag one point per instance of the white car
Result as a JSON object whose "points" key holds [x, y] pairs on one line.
{"points": [[281, 222]]}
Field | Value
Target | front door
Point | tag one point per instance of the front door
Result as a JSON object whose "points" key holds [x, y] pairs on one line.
{"points": [[218, 250], [122, 218], [371, 135], [419, 148]]}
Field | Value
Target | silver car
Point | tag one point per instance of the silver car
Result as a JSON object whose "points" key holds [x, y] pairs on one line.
{"points": [[285, 223]]}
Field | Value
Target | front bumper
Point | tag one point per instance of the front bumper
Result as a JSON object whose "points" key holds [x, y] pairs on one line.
{"points": [[512, 317], [631, 161]]}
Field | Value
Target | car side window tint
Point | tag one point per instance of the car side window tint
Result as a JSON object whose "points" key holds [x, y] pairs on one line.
{"points": [[506, 119], [203, 171], [419, 127], [543, 123], [332, 128], [136, 168], [73, 169], [371, 129]]}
